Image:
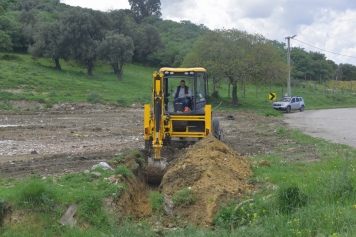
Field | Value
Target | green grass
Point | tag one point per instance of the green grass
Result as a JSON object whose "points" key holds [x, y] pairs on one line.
{"points": [[184, 197], [293, 198], [300, 199], [25, 78], [156, 201], [35, 80]]}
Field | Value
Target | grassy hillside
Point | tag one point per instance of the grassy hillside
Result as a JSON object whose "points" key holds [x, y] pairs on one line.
{"points": [[25, 78]]}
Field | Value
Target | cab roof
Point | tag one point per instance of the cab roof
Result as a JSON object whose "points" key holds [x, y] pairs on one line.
{"points": [[191, 69]]}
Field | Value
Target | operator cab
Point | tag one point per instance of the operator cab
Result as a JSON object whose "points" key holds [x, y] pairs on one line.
{"points": [[195, 79]]}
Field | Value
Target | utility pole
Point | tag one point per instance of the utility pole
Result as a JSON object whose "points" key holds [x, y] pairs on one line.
{"points": [[288, 60]]}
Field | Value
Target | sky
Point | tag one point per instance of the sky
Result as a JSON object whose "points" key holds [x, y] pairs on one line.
{"points": [[324, 26]]}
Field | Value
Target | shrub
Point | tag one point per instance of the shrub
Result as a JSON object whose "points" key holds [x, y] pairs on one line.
{"points": [[234, 215], [122, 102], [289, 198], [11, 57], [48, 106], [94, 98], [41, 100]]}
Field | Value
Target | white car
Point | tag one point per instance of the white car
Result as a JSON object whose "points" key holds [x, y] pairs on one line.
{"points": [[288, 103]]}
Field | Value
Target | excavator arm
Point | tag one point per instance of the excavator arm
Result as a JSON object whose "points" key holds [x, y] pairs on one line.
{"points": [[154, 130]]}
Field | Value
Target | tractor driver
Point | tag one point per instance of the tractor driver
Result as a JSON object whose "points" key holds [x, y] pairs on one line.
{"points": [[182, 93]]}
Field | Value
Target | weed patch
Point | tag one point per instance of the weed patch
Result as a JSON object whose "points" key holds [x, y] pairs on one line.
{"points": [[35, 193], [5, 106], [183, 197], [289, 198], [156, 201], [94, 98], [124, 171]]}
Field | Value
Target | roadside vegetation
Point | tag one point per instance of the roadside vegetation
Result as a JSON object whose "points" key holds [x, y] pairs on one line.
{"points": [[291, 198]]}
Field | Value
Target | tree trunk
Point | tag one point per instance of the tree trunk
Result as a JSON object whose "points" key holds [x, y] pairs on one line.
{"points": [[58, 65], [256, 91], [234, 96], [228, 91], [117, 71], [90, 67], [119, 76]]}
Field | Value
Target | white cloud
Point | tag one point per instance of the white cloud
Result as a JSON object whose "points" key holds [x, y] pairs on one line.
{"points": [[102, 5]]}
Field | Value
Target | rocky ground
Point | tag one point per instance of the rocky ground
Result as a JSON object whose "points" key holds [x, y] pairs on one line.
{"points": [[73, 137]]}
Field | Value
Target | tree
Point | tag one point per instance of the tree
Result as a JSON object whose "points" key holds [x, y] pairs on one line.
{"points": [[12, 28], [240, 57], [82, 31], [145, 8], [268, 67], [347, 72], [5, 42], [300, 63], [178, 40], [26, 5], [147, 41], [49, 43], [117, 49], [222, 53], [7, 4]]}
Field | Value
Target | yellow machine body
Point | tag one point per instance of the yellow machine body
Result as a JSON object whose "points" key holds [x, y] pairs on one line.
{"points": [[162, 124]]}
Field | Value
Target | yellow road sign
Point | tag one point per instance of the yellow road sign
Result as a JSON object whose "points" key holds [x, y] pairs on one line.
{"points": [[272, 96]]}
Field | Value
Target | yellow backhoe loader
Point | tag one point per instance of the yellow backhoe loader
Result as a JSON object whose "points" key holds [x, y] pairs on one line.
{"points": [[166, 119]]}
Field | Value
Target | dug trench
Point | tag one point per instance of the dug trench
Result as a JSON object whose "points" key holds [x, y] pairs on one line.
{"points": [[71, 138], [211, 171]]}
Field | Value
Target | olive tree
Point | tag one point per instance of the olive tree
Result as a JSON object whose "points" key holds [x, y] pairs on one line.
{"points": [[117, 49], [49, 43], [82, 31], [235, 55]]}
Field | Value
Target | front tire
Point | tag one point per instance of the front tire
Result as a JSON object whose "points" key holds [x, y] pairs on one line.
{"points": [[301, 108], [288, 109], [148, 145]]}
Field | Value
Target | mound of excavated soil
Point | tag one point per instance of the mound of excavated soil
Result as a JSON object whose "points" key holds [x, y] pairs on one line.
{"points": [[214, 173]]}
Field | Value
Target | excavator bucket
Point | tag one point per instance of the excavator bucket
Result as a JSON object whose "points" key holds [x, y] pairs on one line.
{"points": [[155, 170]]}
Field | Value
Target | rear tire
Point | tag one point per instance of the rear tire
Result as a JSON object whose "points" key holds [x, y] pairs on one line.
{"points": [[216, 128], [301, 108], [288, 109]]}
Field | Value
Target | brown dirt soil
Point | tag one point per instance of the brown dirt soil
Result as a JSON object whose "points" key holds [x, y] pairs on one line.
{"points": [[73, 137], [214, 174]]}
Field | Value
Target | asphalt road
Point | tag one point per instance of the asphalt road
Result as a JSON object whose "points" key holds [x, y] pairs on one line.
{"points": [[335, 125]]}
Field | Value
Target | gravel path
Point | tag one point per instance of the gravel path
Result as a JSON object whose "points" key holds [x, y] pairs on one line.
{"points": [[335, 125]]}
